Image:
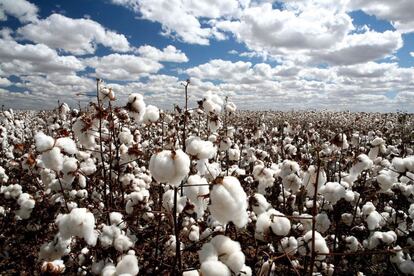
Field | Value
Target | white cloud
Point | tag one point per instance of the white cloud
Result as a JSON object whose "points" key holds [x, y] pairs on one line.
{"points": [[275, 31], [181, 18], [4, 82], [77, 36], [398, 12], [359, 48], [18, 59], [412, 54], [122, 67], [168, 54], [21, 9]]}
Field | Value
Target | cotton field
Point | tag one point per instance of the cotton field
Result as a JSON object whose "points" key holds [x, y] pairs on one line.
{"points": [[124, 188]]}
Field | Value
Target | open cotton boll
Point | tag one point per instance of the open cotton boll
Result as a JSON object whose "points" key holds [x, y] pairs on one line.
{"points": [[168, 201], [55, 249], [376, 238], [259, 204], [53, 159], [85, 135], [67, 145], [80, 223], [305, 245], [288, 245], [88, 166], [26, 204], [136, 106], [386, 179], [152, 114], [135, 198], [292, 183], [43, 142], [363, 163], [229, 202], [196, 191], [199, 148], [169, 166], [271, 220], [3, 176], [11, 191], [322, 222], [221, 250], [194, 234], [55, 267], [125, 137], [127, 266], [407, 267], [334, 191], [373, 220], [378, 145], [214, 268], [309, 180], [231, 107], [234, 153]]}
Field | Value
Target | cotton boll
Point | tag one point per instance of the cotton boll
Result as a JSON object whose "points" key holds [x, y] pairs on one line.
{"points": [[169, 166], [122, 243], [55, 249], [199, 148], [55, 267], [292, 183], [229, 202], [320, 245], [288, 245], [136, 106], [386, 179], [88, 167], [231, 107], [333, 191], [67, 145], [407, 267], [234, 153], [322, 222], [193, 272], [363, 163], [128, 265], [26, 204], [214, 268], [197, 191], [3, 176], [373, 220], [194, 233], [135, 198], [259, 204], [152, 114], [274, 221], [43, 142], [79, 222], [53, 159], [220, 256], [11, 191], [116, 219], [168, 201], [125, 137], [309, 180]]}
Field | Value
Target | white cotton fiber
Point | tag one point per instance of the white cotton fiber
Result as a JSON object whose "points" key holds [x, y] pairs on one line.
{"points": [[169, 166], [127, 266], [197, 191], [229, 202], [274, 221], [67, 145], [199, 148], [152, 114], [80, 223], [43, 142]]}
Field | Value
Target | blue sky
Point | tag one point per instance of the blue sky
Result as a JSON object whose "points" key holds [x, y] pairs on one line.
{"points": [[348, 54]]}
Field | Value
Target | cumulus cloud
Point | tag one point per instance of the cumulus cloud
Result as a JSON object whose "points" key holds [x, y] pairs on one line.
{"points": [[362, 47], [398, 12], [168, 54], [76, 36], [24, 59], [122, 67], [23, 10], [181, 18]]}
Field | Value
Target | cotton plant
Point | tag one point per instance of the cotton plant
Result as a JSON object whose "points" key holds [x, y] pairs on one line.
{"points": [[271, 222], [264, 176], [228, 202], [305, 245], [222, 257], [169, 166], [197, 191], [136, 107]]}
